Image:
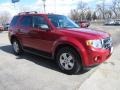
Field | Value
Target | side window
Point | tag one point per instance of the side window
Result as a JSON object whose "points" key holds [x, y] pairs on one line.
{"points": [[54, 21], [39, 22], [26, 21], [14, 21]]}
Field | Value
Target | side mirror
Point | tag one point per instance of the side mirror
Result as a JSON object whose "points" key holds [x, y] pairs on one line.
{"points": [[42, 26]]}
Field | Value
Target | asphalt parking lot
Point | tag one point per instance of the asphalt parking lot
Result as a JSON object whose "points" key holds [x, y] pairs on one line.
{"points": [[30, 72]]}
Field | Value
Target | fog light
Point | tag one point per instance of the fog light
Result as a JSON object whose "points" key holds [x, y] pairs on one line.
{"points": [[96, 59]]}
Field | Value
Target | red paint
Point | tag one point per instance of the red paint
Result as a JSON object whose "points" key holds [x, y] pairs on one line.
{"points": [[48, 41]]}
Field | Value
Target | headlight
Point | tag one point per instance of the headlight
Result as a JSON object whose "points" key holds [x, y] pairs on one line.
{"points": [[94, 43]]}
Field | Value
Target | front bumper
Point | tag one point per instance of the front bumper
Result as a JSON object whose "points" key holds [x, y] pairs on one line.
{"points": [[97, 56]]}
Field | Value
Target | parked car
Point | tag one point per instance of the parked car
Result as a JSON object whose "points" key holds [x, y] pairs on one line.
{"points": [[112, 22], [109, 22], [117, 22], [58, 37], [1, 28], [6, 26], [83, 23]]}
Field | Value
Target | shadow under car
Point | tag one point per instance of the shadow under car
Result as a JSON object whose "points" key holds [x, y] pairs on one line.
{"points": [[48, 63]]}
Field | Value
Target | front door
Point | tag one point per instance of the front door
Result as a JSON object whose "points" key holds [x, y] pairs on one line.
{"points": [[42, 34]]}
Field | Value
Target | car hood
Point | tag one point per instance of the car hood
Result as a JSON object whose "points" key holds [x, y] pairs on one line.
{"points": [[86, 33]]}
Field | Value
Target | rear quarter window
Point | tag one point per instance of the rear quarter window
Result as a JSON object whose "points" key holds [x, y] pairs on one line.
{"points": [[14, 21]]}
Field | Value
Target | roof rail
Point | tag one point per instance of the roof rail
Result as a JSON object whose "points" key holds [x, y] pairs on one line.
{"points": [[50, 13], [31, 12]]}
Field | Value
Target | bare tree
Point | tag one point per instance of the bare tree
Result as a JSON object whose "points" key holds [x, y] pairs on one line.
{"points": [[101, 9], [89, 15], [74, 14], [4, 17], [81, 13], [94, 16], [108, 14], [116, 8], [113, 7], [82, 7]]}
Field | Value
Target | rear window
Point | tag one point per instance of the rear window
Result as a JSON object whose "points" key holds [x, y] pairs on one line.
{"points": [[14, 21]]}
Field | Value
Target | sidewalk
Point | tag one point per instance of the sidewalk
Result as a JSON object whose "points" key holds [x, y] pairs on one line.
{"points": [[107, 76]]}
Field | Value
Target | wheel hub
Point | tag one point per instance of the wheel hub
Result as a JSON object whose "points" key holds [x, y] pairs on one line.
{"points": [[15, 46], [67, 61]]}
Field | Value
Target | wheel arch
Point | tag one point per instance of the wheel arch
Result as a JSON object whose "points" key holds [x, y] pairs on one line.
{"points": [[12, 38], [67, 45], [75, 44]]}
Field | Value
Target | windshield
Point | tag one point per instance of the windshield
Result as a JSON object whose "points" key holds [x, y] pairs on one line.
{"points": [[60, 21]]}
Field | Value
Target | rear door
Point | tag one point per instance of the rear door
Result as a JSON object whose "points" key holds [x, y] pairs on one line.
{"points": [[25, 26]]}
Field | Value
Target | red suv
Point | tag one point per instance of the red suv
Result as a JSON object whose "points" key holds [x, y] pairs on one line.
{"points": [[58, 37]]}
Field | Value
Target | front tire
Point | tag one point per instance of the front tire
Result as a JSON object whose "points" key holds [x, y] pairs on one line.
{"points": [[68, 60], [17, 47]]}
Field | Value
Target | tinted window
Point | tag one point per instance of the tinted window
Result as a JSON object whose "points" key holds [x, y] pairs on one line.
{"points": [[14, 21], [26, 21], [39, 21]]}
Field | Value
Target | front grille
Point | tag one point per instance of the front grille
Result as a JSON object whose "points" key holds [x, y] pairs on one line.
{"points": [[107, 43]]}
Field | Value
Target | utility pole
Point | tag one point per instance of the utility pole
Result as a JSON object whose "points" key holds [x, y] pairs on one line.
{"points": [[55, 6], [44, 6], [103, 6]]}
